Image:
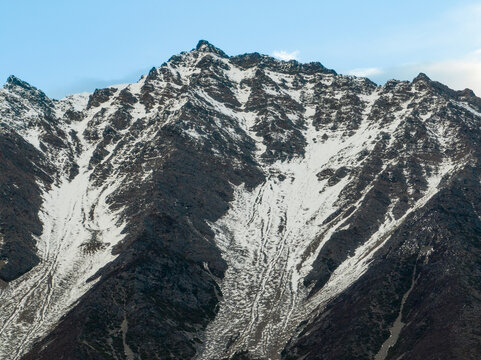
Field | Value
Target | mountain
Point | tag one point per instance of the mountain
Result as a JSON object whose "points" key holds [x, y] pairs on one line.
{"points": [[241, 207]]}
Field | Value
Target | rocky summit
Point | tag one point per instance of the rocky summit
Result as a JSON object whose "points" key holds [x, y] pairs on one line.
{"points": [[241, 207]]}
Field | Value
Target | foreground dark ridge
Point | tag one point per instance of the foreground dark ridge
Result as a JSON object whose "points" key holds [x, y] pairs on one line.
{"points": [[240, 208]]}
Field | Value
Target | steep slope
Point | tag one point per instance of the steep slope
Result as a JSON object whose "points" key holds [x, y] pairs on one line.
{"points": [[241, 207]]}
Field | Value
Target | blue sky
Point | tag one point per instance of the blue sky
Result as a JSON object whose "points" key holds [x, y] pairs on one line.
{"points": [[72, 46]]}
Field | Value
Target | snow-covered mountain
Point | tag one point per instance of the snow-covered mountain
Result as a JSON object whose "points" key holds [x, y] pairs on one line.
{"points": [[241, 208]]}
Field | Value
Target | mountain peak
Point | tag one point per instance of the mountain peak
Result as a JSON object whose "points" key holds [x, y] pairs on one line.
{"points": [[421, 77], [205, 46], [14, 81]]}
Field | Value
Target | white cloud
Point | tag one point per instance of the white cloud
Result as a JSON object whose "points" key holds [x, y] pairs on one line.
{"points": [[286, 56], [365, 72], [443, 44], [457, 73], [444, 34]]}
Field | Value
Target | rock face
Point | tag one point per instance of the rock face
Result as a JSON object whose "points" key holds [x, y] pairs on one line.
{"points": [[241, 208]]}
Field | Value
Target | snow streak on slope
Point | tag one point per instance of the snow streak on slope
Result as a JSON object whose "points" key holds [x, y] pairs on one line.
{"points": [[268, 234], [78, 234], [353, 267], [263, 238]]}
